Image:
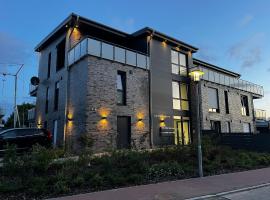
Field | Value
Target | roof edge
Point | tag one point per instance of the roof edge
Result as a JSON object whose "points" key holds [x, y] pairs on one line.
{"points": [[217, 68]]}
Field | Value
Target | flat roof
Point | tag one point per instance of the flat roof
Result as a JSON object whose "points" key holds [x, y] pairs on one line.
{"points": [[72, 18], [217, 68]]}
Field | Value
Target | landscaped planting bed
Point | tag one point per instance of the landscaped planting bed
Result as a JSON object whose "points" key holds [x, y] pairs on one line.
{"points": [[38, 175]]}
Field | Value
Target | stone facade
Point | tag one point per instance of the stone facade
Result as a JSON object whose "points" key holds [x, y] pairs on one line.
{"points": [[235, 117], [93, 94]]}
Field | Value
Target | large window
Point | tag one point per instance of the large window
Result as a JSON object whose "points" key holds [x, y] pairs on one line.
{"points": [[227, 127], [181, 130], [179, 63], [121, 88], [244, 103], [60, 61], [180, 96], [213, 100], [226, 102], [47, 101], [49, 65], [56, 96]]}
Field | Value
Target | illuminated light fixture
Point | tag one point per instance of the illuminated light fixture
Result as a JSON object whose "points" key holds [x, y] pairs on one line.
{"points": [[196, 74], [104, 117], [66, 26], [69, 118], [140, 119], [162, 121]]}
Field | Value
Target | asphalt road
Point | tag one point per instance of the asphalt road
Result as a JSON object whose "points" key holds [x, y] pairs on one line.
{"points": [[262, 193]]}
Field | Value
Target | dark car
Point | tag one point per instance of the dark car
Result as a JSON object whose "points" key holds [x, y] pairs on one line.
{"points": [[24, 138]]}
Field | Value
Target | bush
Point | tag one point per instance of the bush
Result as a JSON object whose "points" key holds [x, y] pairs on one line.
{"points": [[37, 174]]}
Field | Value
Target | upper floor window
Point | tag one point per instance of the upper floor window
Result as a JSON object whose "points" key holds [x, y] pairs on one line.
{"points": [[213, 100], [180, 96], [47, 101], [60, 60], [121, 88], [226, 102], [244, 103], [49, 65], [179, 63], [56, 96]]}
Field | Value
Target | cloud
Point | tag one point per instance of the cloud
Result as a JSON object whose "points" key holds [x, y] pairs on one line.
{"points": [[246, 20], [126, 25], [12, 50], [248, 52]]}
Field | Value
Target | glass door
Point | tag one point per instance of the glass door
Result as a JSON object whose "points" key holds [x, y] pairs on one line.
{"points": [[181, 131]]}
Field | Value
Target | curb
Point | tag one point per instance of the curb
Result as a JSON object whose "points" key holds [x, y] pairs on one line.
{"points": [[230, 192]]}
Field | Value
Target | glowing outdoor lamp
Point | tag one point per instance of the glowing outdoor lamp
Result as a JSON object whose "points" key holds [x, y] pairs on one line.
{"points": [[196, 74]]}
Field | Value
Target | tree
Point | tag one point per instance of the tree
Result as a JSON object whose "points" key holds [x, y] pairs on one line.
{"points": [[23, 113]]}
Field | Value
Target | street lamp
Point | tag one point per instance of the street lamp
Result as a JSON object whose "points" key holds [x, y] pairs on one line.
{"points": [[196, 74]]}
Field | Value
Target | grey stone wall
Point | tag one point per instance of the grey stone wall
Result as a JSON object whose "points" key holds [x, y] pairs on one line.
{"points": [[55, 76], [93, 95], [234, 117]]}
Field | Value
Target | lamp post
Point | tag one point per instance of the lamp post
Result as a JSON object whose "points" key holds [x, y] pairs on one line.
{"points": [[196, 74]]}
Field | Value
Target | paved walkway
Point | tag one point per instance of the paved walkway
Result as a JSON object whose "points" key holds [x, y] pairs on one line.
{"points": [[182, 189]]}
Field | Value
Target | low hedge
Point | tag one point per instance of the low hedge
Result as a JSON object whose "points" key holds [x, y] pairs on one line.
{"points": [[36, 175]]}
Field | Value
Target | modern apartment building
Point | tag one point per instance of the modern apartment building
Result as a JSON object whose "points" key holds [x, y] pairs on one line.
{"points": [[132, 90]]}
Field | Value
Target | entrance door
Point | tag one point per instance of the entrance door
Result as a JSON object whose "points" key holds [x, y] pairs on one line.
{"points": [[123, 132], [182, 131], [55, 127], [215, 126]]}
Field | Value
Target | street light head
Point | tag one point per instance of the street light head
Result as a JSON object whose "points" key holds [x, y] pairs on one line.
{"points": [[196, 74]]}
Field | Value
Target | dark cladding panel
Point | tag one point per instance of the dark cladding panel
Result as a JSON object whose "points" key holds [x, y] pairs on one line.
{"points": [[161, 89]]}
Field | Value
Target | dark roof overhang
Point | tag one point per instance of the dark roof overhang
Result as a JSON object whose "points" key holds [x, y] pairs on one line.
{"points": [[154, 33], [216, 68]]}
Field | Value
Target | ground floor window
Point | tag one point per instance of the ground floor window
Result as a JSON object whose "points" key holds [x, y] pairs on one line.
{"points": [[246, 127], [181, 130], [215, 126]]}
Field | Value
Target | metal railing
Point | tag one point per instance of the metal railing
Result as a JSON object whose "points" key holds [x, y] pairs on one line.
{"points": [[89, 46], [236, 83]]}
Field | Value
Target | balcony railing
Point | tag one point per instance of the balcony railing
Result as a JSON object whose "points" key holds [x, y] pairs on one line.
{"points": [[89, 46], [210, 75]]}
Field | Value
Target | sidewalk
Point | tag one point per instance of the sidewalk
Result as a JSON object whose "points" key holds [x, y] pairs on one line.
{"points": [[182, 189]]}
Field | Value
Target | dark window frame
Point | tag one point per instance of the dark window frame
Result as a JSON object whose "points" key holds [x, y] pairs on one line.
{"points": [[181, 99], [244, 104], [217, 110], [56, 96], [47, 101], [49, 65], [179, 63], [226, 98], [60, 55], [123, 91]]}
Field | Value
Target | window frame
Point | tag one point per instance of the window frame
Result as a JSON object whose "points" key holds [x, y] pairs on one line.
{"points": [[123, 78], [56, 96], [60, 56], [244, 105], [180, 99], [49, 65], [226, 98], [213, 110], [179, 64], [47, 101]]}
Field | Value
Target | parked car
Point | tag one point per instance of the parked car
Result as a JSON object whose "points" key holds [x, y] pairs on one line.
{"points": [[24, 138]]}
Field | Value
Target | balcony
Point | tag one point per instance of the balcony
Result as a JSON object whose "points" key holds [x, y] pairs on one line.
{"points": [[236, 83], [89, 46], [33, 90]]}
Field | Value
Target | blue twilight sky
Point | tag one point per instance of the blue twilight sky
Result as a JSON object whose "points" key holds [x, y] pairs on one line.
{"points": [[233, 34]]}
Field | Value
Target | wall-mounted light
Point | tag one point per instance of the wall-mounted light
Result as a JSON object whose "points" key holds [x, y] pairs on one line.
{"points": [[140, 119], [104, 117], [69, 118]]}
